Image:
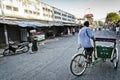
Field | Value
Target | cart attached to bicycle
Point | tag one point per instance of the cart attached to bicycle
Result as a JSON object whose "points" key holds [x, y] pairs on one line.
{"points": [[102, 52]]}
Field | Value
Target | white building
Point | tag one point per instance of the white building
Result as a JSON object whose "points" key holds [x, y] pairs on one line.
{"points": [[27, 13], [29, 9]]}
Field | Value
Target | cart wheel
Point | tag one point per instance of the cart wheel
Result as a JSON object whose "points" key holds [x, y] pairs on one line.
{"points": [[115, 59], [78, 65]]}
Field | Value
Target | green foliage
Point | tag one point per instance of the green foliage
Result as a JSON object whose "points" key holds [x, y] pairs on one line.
{"points": [[112, 17], [95, 22], [101, 23]]}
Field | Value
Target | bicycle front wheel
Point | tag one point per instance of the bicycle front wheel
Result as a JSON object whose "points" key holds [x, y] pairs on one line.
{"points": [[78, 65]]}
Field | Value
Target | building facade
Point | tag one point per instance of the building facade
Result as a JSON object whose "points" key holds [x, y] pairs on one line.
{"points": [[28, 14], [25, 9]]}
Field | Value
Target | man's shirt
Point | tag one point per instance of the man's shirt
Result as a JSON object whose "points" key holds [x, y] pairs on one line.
{"points": [[84, 36]]}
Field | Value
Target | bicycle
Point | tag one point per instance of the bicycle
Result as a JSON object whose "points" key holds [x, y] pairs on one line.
{"points": [[78, 63]]}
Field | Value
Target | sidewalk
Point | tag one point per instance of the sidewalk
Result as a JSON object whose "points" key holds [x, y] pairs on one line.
{"points": [[30, 44], [41, 42]]}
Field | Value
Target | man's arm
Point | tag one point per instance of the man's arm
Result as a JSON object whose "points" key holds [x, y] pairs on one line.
{"points": [[90, 33]]}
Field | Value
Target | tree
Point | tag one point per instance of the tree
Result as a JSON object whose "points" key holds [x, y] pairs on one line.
{"points": [[101, 23], [112, 17]]}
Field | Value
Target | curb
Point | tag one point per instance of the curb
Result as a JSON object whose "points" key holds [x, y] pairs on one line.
{"points": [[1, 55], [1, 51]]}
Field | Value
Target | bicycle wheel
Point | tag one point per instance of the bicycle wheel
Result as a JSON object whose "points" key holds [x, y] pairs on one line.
{"points": [[78, 65], [115, 59]]}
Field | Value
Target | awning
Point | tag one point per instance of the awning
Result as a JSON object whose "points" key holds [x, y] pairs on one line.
{"points": [[33, 23], [40, 24], [25, 23], [8, 22], [55, 24], [69, 24]]}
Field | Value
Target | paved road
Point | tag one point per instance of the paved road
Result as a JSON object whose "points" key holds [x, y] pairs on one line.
{"points": [[52, 62]]}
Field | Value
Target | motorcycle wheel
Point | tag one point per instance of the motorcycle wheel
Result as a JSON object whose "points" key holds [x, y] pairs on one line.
{"points": [[25, 49], [6, 52]]}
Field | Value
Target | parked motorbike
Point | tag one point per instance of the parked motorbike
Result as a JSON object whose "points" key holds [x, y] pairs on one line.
{"points": [[13, 48]]}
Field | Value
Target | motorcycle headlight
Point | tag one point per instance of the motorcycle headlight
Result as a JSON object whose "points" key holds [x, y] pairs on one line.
{"points": [[11, 42]]}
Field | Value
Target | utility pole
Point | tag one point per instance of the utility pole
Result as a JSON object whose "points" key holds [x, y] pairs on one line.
{"points": [[3, 20]]}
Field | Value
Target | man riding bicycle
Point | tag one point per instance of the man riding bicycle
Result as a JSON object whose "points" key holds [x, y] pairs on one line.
{"points": [[84, 36]]}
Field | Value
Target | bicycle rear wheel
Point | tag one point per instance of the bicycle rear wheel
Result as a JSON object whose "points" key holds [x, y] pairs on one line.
{"points": [[78, 65], [115, 59]]}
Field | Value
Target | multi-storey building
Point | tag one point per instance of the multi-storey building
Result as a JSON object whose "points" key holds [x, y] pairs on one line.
{"points": [[25, 9], [29, 13], [63, 16]]}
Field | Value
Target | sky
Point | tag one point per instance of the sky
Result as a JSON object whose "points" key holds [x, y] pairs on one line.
{"points": [[99, 8]]}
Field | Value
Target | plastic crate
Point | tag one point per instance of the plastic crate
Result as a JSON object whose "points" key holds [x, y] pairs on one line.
{"points": [[104, 52]]}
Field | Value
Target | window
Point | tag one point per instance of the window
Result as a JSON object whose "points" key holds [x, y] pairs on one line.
{"points": [[64, 15], [43, 14], [18, 0], [57, 17], [15, 9], [64, 19], [55, 12], [30, 11], [69, 16], [9, 7], [11, 0], [69, 20], [43, 8], [38, 13], [26, 11], [34, 13]]}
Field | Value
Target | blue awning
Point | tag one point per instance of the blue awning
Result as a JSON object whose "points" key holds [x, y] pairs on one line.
{"points": [[26, 25], [33, 24], [40, 24]]}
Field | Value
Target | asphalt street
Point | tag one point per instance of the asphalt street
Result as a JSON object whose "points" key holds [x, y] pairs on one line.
{"points": [[52, 62]]}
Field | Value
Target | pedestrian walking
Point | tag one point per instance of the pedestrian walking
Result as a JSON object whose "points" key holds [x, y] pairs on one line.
{"points": [[117, 30], [73, 31]]}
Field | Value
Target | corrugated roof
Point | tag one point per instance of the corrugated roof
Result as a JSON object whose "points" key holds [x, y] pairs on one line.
{"points": [[55, 24], [25, 23], [30, 23]]}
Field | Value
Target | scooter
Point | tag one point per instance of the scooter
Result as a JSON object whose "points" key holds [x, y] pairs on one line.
{"points": [[13, 48]]}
